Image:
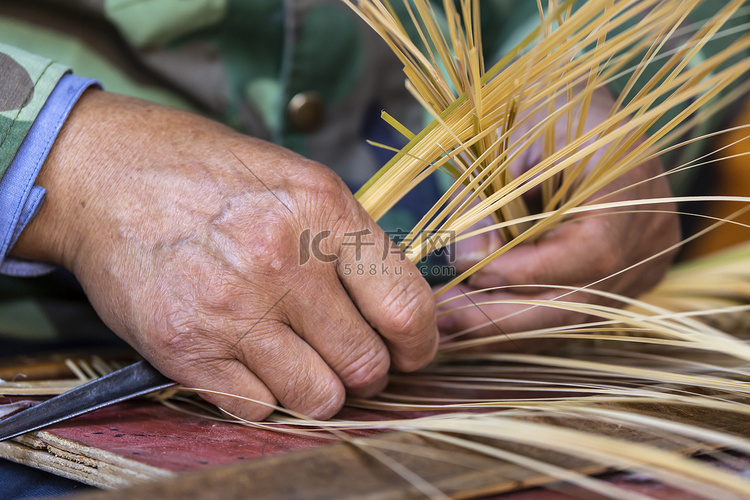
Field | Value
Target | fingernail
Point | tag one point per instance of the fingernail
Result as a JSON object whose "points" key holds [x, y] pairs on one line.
{"points": [[472, 250]]}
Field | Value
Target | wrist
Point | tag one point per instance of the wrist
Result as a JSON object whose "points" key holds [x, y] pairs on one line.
{"points": [[54, 235]]}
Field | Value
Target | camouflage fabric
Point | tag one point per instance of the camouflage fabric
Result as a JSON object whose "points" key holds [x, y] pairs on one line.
{"points": [[27, 81], [240, 61]]}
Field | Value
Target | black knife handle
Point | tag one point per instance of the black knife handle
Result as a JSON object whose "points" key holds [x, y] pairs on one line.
{"points": [[132, 381]]}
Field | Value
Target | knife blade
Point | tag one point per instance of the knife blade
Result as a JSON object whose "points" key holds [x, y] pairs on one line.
{"points": [[132, 381]]}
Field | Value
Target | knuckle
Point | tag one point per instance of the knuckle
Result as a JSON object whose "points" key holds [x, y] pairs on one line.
{"points": [[325, 183], [294, 394], [364, 375], [323, 400], [326, 189], [298, 391], [271, 248], [333, 404], [306, 388], [175, 332], [409, 308]]}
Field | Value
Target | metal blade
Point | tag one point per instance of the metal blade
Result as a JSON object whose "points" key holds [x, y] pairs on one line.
{"points": [[132, 381]]}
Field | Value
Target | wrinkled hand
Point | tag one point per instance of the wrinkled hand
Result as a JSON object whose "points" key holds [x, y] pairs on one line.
{"points": [[195, 259], [578, 253]]}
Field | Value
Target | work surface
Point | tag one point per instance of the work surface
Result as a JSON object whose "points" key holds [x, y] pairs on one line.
{"points": [[160, 451], [143, 441]]}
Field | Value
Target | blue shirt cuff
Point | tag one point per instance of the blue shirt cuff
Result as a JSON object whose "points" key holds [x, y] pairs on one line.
{"points": [[20, 199]]}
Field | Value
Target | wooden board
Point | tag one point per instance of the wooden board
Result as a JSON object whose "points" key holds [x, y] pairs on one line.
{"points": [[145, 442], [190, 457], [86, 464], [142, 440]]}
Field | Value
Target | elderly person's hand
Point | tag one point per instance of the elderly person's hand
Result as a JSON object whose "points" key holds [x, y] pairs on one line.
{"points": [[226, 261], [586, 250]]}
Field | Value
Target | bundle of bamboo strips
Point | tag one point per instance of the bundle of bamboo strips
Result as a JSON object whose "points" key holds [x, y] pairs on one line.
{"points": [[475, 138]]}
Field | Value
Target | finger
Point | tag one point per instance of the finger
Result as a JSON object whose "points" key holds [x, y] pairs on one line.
{"points": [[474, 315], [391, 294], [341, 336], [582, 251], [294, 373], [230, 376]]}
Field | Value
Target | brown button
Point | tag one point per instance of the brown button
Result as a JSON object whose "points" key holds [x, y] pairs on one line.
{"points": [[305, 111]]}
